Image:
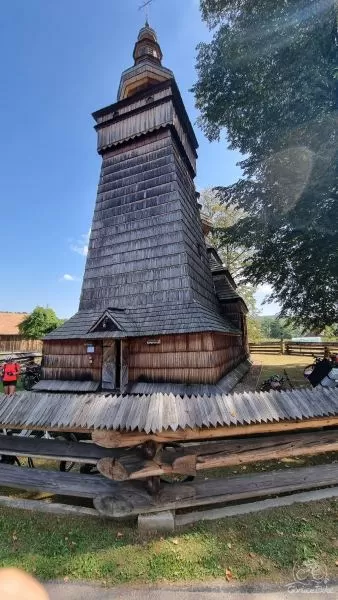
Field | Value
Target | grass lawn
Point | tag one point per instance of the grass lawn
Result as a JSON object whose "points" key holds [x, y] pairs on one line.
{"points": [[264, 546], [274, 364], [19, 386]]}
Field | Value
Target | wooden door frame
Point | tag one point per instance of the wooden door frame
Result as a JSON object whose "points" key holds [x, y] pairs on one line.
{"points": [[118, 360], [118, 363]]}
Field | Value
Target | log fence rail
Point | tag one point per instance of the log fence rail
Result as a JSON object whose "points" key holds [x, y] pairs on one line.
{"points": [[293, 348]]}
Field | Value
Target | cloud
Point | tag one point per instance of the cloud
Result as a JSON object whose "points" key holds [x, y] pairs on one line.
{"points": [[67, 277], [81, 245]]}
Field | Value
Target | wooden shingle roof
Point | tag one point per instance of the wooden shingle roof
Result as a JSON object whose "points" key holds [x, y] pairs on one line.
{"points": [[10, 321], [225, 286], [192, 317]]}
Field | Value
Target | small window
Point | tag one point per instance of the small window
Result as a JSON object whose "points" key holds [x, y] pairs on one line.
{"points": [[107, 324]]}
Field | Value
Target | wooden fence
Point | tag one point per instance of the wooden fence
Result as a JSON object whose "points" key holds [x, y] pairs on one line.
{"points": [[266, 347], [16, 343], [310, 348], [293, 348]]}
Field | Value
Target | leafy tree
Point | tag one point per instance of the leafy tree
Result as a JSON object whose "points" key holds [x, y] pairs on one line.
{"points": [[330, 333], [276, 328], [254, 327], [233, 254], [40, 322], [269, 78]]}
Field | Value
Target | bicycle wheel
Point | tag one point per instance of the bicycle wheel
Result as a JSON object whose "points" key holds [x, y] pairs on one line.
{"points": [[66, 465], [28, 381]]}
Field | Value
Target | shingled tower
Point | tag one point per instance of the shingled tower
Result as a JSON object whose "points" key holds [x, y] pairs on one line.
{"points": [[148, 306]]}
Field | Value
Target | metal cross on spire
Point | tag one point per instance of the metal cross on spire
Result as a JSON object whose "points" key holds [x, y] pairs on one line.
{"points": [[146, 7]]}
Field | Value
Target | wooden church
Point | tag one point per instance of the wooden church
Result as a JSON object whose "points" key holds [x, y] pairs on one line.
{"points": [[157, 305]]}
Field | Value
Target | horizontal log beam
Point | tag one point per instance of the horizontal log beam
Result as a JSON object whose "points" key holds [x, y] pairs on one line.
{"points": [[192, 458], [124, 439], [54, 449], [216, 491], [120, 500]]}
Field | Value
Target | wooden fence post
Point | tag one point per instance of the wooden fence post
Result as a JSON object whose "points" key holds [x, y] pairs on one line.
{"points": [[282, 346]]}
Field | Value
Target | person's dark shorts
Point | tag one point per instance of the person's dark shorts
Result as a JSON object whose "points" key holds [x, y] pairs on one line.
{"points": [[7, 383]]}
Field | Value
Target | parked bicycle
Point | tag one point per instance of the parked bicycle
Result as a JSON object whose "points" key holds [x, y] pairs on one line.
{"points": [[275, 383], [9, 459], [31, 376]]}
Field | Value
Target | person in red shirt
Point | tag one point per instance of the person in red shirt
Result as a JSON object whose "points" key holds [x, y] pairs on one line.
{"points": [[10, 372]]}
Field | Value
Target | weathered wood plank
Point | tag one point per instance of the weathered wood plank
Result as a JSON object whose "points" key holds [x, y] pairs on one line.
{"points": [[55, 449], [117, 500], [197, 457], [217, 491], [117, 439], [54, 508], [253, 507], [63, 484]]}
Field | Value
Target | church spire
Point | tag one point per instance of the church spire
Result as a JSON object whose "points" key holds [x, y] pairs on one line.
{"points": [[147, 70], [147, 46]]}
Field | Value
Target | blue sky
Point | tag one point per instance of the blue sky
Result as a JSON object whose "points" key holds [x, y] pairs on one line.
{"points": [[62, 60]]}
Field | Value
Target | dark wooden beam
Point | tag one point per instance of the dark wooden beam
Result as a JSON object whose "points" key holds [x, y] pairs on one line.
{"points": [[190, 459], [55, 449], [217, 491]]}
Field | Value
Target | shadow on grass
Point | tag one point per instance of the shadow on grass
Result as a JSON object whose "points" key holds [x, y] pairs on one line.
{"points": [[265, 546]]}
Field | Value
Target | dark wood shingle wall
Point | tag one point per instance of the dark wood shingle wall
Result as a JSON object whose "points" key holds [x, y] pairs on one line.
{"points": [[69, 360], [193, 358], [162, 261]]}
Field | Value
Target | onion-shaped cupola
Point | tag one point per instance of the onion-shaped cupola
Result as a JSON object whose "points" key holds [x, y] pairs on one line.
{"points": [[147, 70], [147, 46]]}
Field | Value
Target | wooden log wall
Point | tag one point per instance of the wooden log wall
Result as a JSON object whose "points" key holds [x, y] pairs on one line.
{"points": [[236, 313], [189, 358], [69, 360], [16, 343]]}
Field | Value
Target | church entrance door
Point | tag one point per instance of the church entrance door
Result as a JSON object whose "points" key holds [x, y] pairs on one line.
{"points": [[111, 365]]}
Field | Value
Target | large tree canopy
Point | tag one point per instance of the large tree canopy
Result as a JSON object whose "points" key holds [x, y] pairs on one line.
{"points": [[40, 322], [269, 79]]}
